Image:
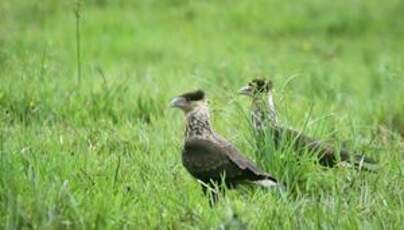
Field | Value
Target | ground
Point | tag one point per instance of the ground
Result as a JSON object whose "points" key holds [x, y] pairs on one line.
{"points": [[101, 149]]}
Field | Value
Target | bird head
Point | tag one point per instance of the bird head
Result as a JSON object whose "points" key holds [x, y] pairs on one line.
{"points": [[187, 102], [256, 87]]}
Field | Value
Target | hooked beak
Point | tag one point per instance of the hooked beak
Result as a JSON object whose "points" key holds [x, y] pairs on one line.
{"points": [[245, 90], [177, 102]]}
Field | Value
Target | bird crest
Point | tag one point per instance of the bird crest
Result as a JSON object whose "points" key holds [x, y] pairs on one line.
{"points": [[196, 95], [261, 85]]}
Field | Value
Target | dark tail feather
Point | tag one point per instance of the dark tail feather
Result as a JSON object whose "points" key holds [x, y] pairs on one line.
{"points": [[359, 162]]}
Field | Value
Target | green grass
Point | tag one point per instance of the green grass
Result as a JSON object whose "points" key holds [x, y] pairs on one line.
{"points": [[105, 153]]}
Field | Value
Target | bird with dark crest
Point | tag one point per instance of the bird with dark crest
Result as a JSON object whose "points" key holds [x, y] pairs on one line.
{"points": [[210, 158], [265, 121]]}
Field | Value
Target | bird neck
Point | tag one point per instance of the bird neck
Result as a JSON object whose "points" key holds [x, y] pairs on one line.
{"points": [[263, 111], [198, 123]]}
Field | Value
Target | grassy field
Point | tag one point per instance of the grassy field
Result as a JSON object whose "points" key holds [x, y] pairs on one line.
{"points": [[103, 151]]}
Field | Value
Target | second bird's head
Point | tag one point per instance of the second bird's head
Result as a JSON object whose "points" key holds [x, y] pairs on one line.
{"points": [[256, 87], [187, 102]]}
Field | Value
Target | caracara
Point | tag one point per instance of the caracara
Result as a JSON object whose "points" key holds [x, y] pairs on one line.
{"points": [[209, 157], [264, 118]]}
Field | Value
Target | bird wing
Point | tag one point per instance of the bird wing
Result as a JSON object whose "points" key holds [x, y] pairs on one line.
{"points": [[208, 160], [241, 161], [328, 155], [302, 143]]}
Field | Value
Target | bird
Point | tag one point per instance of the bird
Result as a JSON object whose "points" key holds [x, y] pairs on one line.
{"points": [[210, 158], [264, 118]]}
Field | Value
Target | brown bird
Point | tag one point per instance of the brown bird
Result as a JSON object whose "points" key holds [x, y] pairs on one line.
{"points": [[264, 118], [209, 157]]}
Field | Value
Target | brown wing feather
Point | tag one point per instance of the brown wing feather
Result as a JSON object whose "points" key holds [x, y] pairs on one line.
{"points": [[327, 154], [207, 160], [241, 161]]}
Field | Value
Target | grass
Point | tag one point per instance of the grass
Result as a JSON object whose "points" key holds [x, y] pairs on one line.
{"points": [[107, 154]]}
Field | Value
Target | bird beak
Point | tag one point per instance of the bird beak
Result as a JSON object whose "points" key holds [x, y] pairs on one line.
{"points": [[177, 102], [245, 90]]}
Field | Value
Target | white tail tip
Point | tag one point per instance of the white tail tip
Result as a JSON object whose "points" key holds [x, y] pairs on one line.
{"points": [[266, 183]]}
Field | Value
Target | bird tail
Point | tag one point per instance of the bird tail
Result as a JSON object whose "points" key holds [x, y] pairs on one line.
{"points": [[270, 182], [266, 183], [357, 161], [361, 162]]}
